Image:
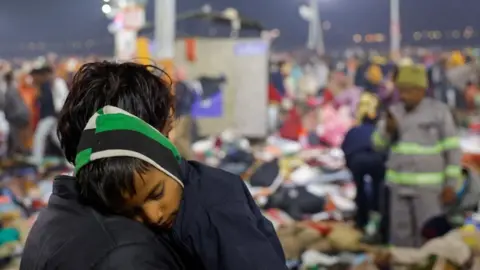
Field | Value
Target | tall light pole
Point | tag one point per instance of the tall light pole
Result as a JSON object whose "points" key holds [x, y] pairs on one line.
{"points": [[313, 25], [320, 40], [311, 13], [395, 32], [165, 20], [316, 41]]}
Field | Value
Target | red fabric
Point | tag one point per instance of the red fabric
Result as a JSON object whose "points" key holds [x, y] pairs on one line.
{"points": [[474, 126], [35, 116], [279, 217], [327, 96], [191, 49], [292, 127], [273, 94], [470, 94], [314, 102], [5, 200], [38, 204], [322, 228], [218, 143]]}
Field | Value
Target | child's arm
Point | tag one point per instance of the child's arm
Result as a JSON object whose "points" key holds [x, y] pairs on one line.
{"points": [[232, 240], [264, 225]]}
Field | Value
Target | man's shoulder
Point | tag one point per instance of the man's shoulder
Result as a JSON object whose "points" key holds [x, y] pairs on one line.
{"points": [[83, 238], [132, 243], [124, 231], [437, 103], [438, 109], [99, 227]]}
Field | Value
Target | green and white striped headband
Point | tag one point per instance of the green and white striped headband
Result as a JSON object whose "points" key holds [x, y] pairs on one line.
{"points": [[113, 132]]}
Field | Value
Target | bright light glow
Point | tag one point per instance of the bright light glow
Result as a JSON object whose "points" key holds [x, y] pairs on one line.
{"points": [[305, 12], [106, 1], [374, 38], [106, 9], [206, 8], [417, 35], [357, 38], [379, 38], [437, 35], [468, 33]]}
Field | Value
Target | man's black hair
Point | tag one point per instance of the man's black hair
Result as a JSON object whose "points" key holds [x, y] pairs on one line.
{"points": [[369, 120], [47, 69], [41, 70], [36, 71], [9, 78], [133, 87]]}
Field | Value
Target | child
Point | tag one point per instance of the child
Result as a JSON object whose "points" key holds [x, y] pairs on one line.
{"points": [[200, 222], [126, 166], [362, 160]]}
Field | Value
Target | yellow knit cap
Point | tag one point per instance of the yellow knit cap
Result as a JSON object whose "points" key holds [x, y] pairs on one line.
{"points": [[412, 76]]}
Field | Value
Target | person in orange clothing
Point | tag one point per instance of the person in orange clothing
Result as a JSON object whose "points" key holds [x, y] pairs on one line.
{"points": [[29, 94], [16, 114], [472, 96]]}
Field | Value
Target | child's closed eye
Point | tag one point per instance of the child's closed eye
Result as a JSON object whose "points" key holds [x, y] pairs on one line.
{"points": [[156, 193]]}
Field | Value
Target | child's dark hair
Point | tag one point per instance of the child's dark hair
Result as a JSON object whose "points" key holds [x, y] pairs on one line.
{"points": [[369, 120], [41, 70], [133, 87]]}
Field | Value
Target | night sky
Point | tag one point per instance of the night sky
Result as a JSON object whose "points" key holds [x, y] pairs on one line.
{"points": [[29, 27]]}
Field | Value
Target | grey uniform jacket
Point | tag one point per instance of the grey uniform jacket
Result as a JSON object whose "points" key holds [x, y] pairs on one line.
{"points": [[426, 150]]}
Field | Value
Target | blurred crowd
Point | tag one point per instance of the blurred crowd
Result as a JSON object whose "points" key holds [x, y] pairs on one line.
{"points": [[306, 76], [30, 102]]}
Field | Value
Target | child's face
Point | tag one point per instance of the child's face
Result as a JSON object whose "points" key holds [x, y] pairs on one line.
{"points": [[157, 199]]}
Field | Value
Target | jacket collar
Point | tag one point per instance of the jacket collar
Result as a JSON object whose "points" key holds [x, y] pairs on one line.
{"points": [[66, 187]]}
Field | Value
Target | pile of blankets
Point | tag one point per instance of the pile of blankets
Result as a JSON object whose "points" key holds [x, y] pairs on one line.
{"points": [[22, 195]]}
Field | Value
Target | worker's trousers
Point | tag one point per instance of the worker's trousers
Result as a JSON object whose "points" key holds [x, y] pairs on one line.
{"points": [[410, 208]]}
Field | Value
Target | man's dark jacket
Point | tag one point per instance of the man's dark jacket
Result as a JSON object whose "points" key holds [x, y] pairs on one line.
{"points": [[70, 236]]}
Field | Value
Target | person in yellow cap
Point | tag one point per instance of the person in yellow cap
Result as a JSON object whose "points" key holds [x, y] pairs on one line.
{"points": [[423, 167], [456, 59], [374, 77]]}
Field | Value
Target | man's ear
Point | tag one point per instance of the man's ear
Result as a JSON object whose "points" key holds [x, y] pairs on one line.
{"points": [[171, 135], [167, 130]]}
